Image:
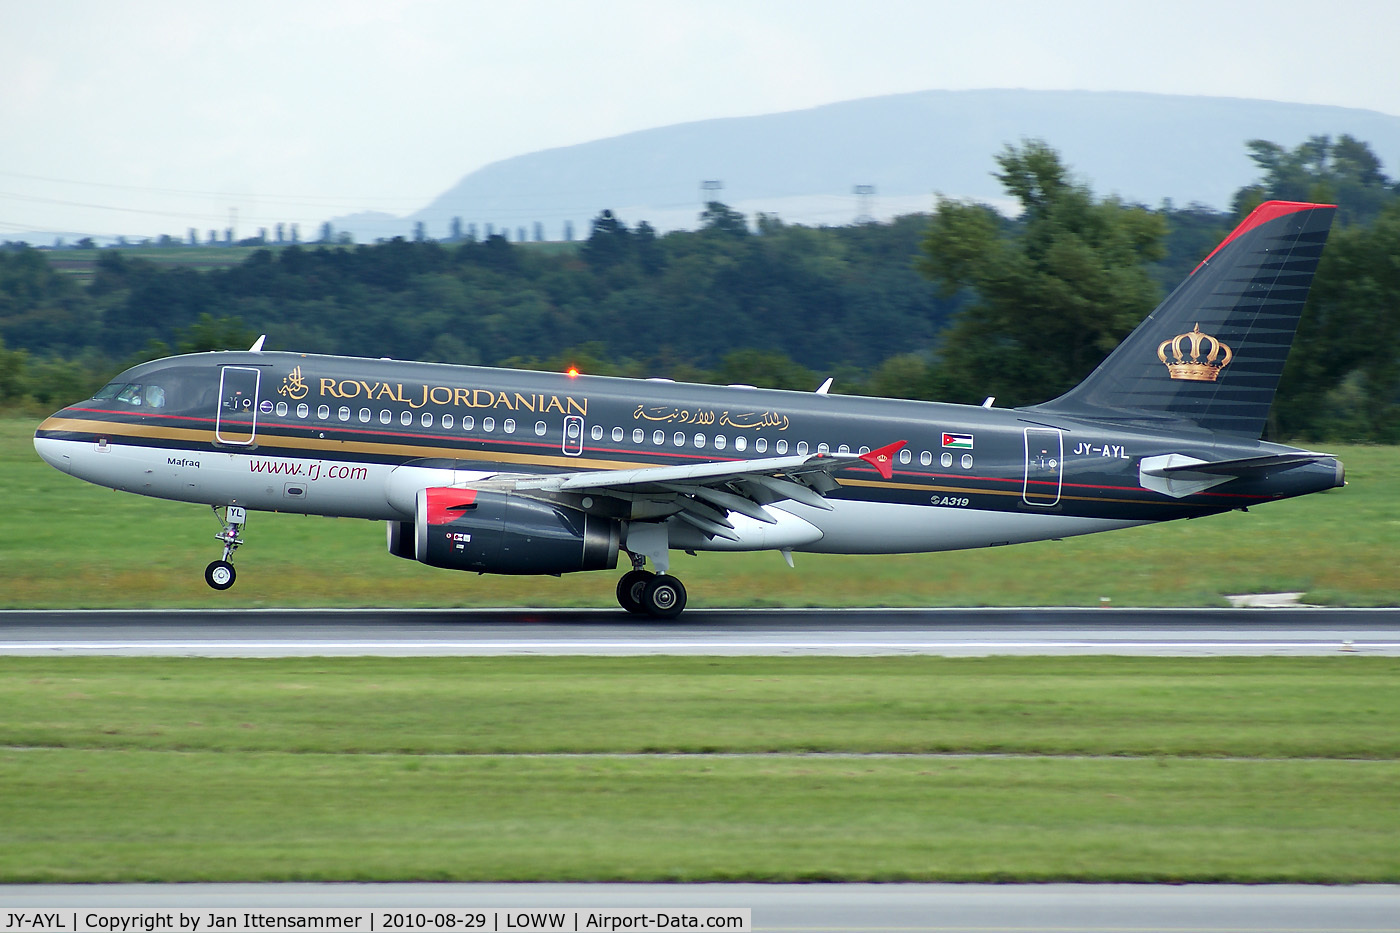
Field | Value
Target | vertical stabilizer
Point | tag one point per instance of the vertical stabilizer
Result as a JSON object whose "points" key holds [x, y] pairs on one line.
{"points": [[1211, 354]]}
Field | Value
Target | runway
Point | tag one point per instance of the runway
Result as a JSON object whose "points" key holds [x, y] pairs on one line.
{"points": [[836, 908], [848, 632]]}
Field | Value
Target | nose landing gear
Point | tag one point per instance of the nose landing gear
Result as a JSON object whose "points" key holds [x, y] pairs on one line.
{"points": [[220, 573]]}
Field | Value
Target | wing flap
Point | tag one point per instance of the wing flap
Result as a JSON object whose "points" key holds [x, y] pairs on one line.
{"points": [[704, 494]]}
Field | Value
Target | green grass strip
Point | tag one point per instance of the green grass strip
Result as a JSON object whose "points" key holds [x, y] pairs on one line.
{"points": [[1342, 707], [150, 816], [186, 769]]}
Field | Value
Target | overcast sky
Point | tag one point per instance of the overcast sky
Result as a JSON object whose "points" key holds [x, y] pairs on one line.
{"points": [[146, 116]]}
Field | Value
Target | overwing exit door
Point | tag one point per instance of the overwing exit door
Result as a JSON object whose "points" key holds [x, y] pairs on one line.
{"points": [[573, 435]]}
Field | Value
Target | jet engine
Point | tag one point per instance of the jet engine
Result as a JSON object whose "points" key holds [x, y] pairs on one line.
{"points": [[494, 532]]}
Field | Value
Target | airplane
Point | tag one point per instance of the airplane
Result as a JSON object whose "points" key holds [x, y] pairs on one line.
{"points": [[513, 472]]}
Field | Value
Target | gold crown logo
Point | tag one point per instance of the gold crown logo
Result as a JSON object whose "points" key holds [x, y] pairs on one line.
{"points": [[1194, 368]]}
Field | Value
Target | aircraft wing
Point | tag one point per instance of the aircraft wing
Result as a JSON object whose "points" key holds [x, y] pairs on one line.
{"points": [[703, 494]]}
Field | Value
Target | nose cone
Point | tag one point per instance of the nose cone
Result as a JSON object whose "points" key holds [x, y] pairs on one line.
{"points": [[50, 448]]}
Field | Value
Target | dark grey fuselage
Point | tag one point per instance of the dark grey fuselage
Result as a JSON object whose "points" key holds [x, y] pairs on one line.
{"points": [[355, 437]]}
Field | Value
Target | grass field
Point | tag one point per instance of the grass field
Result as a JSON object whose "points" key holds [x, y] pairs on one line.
{"points": [[699, 769], [695, 769], [64, 543]]}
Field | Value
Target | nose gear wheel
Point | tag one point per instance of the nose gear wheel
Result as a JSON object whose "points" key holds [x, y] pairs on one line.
{"points": [[220, 573]]}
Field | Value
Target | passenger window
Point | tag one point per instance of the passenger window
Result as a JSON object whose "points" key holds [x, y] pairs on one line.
{"points": [[365, 415], [782, 447], [303, 410], [597, 432], [539, 428], [946, 459], [323, 412], [905, 455], [448, 421], [281, 409], [843, 449], [405, 417], [801, 448], [468, 422], [822, 448], [638, 435], [488, 424], [863, 451], [679, 439], [699, 440], [720, 442], [741, 442], [658, 437], [385, 416], [509, 425], [925, 458], [426, 420], [344, 413], [617, 435]]}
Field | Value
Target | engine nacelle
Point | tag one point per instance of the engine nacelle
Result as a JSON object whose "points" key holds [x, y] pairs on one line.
{"points": [[494, 532]]}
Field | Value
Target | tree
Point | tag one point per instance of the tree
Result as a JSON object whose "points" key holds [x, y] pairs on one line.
{"points": [[1342, 381], [721, 219], [12, 366], [609, 242], [1346, 173], [649, 254], [1052, 294]]}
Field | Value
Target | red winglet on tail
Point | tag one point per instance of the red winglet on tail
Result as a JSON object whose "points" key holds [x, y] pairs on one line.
{"points": [[883, 459]]}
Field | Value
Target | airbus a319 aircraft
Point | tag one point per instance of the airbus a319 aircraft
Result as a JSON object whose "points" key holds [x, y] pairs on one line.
{"points": [[504, 471]]}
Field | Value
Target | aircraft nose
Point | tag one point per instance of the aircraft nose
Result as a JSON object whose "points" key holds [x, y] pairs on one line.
{"points": [[52, 451]]}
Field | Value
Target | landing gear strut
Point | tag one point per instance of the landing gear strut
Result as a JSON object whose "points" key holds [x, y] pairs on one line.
{"points": [[220, 573], [658, 595]]}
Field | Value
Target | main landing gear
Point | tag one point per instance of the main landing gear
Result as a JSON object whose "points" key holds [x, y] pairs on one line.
{"points": [[220, 573], [658, 595]]}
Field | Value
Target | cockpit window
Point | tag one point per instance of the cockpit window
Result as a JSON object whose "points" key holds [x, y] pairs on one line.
{"points": [[133, 393], [181, 390]]}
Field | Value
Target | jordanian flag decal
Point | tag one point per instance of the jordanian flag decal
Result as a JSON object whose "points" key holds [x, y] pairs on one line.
{"points": [[958, 441]]}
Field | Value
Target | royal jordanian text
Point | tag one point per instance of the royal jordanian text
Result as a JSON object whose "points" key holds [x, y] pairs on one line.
{"points": [[518, 920], [453, 396]]}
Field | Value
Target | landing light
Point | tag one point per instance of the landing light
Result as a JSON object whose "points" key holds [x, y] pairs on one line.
{"points": [[573, 372]]}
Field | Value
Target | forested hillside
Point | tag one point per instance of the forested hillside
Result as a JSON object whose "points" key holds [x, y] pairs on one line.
{"points": [[957, 304]]}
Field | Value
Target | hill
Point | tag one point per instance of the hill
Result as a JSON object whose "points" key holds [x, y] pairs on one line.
{"points": [[803, 164]]}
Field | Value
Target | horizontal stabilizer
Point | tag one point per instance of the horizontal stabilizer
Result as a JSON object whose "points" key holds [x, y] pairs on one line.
{"points": [[1178, 475]]}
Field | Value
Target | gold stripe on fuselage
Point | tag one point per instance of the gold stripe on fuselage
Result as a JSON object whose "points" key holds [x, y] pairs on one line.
{"points": [[397, 450]]}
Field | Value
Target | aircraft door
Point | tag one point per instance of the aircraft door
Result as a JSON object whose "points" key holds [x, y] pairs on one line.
{"points": [[237, 418], [573, 435], [1045, 466]]}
